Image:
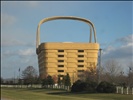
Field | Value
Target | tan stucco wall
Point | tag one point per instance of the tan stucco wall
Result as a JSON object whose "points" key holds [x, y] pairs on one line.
{"points": [[48, 58]]}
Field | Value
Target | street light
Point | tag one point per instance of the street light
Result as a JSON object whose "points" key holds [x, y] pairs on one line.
{"points": [[99, 65]]}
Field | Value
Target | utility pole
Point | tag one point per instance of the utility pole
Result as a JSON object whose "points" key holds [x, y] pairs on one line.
{"points": [[99, 65], [14, 78], [19, 77], [129, 76]]}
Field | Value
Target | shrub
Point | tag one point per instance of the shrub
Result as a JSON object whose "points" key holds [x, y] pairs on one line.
{"points": [[80, 86], [75, 86], [91, 87], [47, 81], [105, 87]]}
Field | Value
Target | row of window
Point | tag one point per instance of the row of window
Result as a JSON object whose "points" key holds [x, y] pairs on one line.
{"points": [[79, 75], [63, 60], [63, 55], [63, 65], [60, 55], [63, 50], [63, 70]]}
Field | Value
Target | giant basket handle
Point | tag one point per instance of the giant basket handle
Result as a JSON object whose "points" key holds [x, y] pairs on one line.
{"points": [[65, 17]]}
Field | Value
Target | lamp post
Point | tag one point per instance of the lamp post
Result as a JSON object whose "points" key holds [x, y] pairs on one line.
{"points": [[129, 76], [19, 77], [99, 65]]}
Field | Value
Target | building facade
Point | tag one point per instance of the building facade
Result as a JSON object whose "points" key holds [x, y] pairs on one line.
{"points": [[61, 58], [58, 59]]}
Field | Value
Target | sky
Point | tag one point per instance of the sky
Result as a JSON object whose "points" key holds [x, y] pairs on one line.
{"points": [[19, 20]]}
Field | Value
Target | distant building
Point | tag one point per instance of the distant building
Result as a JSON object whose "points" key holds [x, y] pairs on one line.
{"points": [[61, 58]]}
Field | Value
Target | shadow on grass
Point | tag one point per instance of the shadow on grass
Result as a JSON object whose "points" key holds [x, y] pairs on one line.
{"points": [[59, 93], [48, 91], [67, 93]]}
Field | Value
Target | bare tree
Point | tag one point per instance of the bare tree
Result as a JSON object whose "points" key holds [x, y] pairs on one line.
{"points": [[112, 69], [122, 79], [89, 75], [1, 80], [29, 75], [130, 75]]}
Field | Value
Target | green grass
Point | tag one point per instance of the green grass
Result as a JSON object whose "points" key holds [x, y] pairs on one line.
{"points": [[49, 94]]}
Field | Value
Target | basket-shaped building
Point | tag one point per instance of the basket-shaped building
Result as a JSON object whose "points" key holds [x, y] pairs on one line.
{"points": [[59, 58]]}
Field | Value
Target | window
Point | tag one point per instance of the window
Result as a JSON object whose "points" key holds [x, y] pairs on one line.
{"points": [[80, 55], [80, 65], [60, 60], [60, 75], [60, 55], [60, 50], [80, 70], [60, 70], [80, 50], [80, 60], [60, 65], [80, 75]]}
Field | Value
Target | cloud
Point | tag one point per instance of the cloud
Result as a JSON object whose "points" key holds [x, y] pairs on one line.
{"points": [[26, 52], [126, 40], [14, 36], [23, 56], [15, 42], [119, 52], [7, 19], [8, 52], [123, 53], [11, 42], [124, 50], [32, 3], [12, 60], [21, 53]]}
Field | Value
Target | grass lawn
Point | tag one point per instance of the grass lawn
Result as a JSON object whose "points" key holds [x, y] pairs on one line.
{"points": [[49, 94]]}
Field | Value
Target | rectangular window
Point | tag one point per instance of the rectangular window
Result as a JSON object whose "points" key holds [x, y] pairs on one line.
{"points": [[60, 60], [60, 50], [80, 65], [60, 55], [60, 70], [80, 75], [60, 75], [80, 60], [80, 55], [60, 65], [80, 70], [80, 50]]}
